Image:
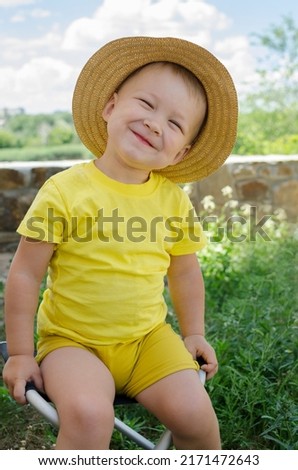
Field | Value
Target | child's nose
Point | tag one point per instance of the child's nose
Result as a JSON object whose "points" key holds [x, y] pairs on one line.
{"points": [[153, 126]]}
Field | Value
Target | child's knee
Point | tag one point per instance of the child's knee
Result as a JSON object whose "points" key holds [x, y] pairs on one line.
{"points": [[195, 417], [196, 428], [88, 415]]}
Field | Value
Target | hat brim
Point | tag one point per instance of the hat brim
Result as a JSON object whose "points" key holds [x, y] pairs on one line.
{"points": [[110, 65]]}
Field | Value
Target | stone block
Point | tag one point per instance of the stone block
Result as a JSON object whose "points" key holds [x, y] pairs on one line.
{"points": [[285, 196], [239, 171], [254, 190], [285, 171], [212, 186], [13, 206], [10, 179], [40, 175]]}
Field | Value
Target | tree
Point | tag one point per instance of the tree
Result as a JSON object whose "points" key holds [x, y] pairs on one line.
{"points": [[270, 113], [7, 139], [41, 129], [60, 135], [278, 78]]}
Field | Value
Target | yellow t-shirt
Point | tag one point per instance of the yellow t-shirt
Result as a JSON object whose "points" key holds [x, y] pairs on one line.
{"points": [[113, 246]]}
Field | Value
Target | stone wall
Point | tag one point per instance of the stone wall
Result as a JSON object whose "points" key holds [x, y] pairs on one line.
{"points": [[269, 183], [19, 183]]}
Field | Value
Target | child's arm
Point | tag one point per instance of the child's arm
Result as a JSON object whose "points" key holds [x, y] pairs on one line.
{"points": [[27, 270], [188, 296]]}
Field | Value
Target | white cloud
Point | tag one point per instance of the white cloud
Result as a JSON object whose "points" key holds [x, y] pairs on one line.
{"points": [[236, 56], [36, 13], [17, 51], [40, 13], [42, 84], [39, 73], [15, 3], [191, 19], [18, 18]]}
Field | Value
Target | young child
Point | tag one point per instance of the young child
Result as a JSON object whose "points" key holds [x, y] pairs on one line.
{"points": [[156, 112]]}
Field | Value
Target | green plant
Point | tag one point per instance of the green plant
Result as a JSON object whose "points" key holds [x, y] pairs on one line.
{"points": [[7, 139], [251, 305]]}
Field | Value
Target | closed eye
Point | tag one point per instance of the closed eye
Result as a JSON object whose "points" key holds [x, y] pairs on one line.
{"points": [[176, 124], [147, 103]]}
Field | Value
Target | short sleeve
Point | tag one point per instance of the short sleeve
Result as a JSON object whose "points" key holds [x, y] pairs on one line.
{"points": [[46, 219], [185, 233]]}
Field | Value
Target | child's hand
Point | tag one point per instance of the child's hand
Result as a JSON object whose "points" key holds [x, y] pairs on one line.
{"points": [[199, 347], [17, 371]]}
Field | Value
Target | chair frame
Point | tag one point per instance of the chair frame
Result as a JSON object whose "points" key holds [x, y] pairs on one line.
{"points": [[42, 404]]}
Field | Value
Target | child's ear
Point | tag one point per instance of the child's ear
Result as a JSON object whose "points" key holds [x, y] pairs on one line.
{"points": [[180, 155], [107, 110]]}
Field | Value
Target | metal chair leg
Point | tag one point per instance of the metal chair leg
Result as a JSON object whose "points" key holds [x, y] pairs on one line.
{"points": [[47, 410]]}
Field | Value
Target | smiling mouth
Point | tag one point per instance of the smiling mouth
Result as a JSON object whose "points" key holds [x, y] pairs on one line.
{"points": [[142, 139]]}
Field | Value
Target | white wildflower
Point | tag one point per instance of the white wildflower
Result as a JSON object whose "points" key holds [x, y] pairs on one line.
{"points": [[245, 209], [187, 188], [208, 203], [270, 225], [227, 191], [280, 214], [232, 203], [277, 234], [218, 247]]}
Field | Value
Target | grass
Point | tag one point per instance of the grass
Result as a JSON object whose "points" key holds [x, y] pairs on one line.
{"points": [[255, 393], [251, 320]]}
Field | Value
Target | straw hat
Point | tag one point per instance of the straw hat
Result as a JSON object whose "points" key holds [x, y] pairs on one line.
{"points": [[111, 64]]}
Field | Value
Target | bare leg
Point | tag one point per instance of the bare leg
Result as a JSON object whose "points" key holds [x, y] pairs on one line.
{"points": [[182, 404], [82, 389]]}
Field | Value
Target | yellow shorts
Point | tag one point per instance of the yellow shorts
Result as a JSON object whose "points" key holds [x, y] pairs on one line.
{"points": [[136, 365]]}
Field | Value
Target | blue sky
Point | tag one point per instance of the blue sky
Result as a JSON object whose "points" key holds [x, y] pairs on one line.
{"points": [[46, 42]]}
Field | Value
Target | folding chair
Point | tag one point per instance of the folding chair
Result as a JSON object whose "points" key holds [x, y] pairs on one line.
{"points": [[42, 404]]}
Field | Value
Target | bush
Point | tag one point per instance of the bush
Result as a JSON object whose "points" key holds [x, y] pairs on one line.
{"points": [[60, 136], [252, 323], [7, 139], [251, 316], [287, 145]]}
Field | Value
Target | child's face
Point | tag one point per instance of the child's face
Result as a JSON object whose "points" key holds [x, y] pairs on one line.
{"points": [[152, 120]]}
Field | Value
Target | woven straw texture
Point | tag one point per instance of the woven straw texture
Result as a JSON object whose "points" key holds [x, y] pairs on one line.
{"points": [[111, 64]]}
